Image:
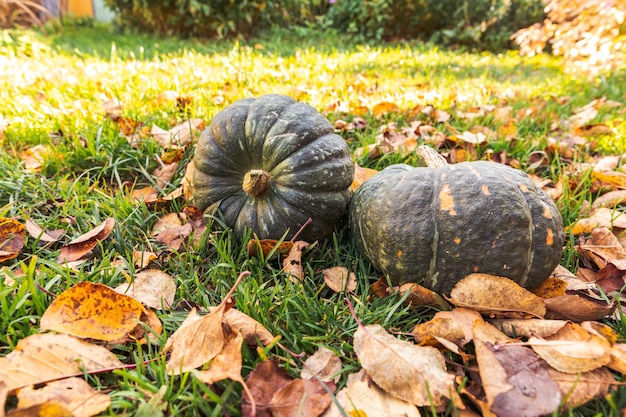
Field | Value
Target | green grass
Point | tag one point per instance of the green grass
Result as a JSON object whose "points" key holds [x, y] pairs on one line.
{"points": [[51, 89]]}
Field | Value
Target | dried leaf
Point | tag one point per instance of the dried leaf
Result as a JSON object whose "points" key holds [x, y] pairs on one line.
{"points": [[12, 238], [609, 200], [614, 179], [74, 393], [529, 327], [577, 389], [618, 358], [178, 136], [94, 311], [455, 326], [44, 357], [142, 259], [267, 246], [292, 264], [579, 307], [306, 398], [361, 175], [226, 364], [339, 279], [416, 374], [362, 397], [154, 288], [491, 294], [37, 232], [419, 296], [552, 287], [516, 382], [83, 244], [323, 364], [263, 382], [384, 108], [572, 349], [252, 331]]}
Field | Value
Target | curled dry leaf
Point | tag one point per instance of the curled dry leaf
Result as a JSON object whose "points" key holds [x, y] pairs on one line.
{"points": [[263, 382], [515, 381], [415, 374], [491, 294], [292, 264], [302, 398], [199, 338], [323, 364], [384, 108], [419, 296], [74, 393], [618, 358], [604, 247], [267, 247], [529, 327], [362, 397], [252, 331], [93, 311], [578, 389], [83, 244], [36, 232], [154, 288], [178, 136], [361, 175], [609, 200], [12, 238], [226, 364], [455, 326], [602, 217], [44, 357], [572, 349], [339, 279], [579, 307], [142, 259]]}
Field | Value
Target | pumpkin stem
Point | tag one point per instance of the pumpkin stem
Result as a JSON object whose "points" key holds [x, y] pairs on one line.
{"points": [[255, 182], [432, 158]]}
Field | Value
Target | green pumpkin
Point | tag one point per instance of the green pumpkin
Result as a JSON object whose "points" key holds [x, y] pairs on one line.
{"points": [[270, 163], [437, 224]]}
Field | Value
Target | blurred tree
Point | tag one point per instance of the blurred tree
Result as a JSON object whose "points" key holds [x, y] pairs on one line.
{"points": [[589, 34]]}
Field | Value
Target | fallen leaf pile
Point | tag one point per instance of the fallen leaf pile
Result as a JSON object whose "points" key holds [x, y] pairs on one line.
{"points": [[493, 347]]}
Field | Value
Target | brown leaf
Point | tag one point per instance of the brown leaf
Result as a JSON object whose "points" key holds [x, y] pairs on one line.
{"points": [[420, 296], [154, 288], [292, 264], [178, 136], [263, 382], [36, 232], [362, 397], [572, 349], [252, 331], [305, 398], [515, 380], [83, 244], [577, 389], [579, 307], [455, 326], [45, 357], [49, 409], [529, 327], [226, 364], [164, 174], [339, 279], [35, 157], [198, 340], [74, 393], [613, 179], [609, 200], [618, 358], [112, 108], [267, 246], [94, 311], [416, 374], [12, 238], [323, 364], [361, 175], [142, 259], [491, 294], [604, 247], [384, 108]]}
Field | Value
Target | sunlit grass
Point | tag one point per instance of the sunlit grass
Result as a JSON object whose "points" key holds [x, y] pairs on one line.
{"points": [[51, 92]]}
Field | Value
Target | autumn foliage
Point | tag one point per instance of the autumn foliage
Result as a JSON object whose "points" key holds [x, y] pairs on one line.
{"points": [[587, 33]]}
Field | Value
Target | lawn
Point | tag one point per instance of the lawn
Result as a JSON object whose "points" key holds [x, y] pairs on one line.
{"points": [[533, 114]]}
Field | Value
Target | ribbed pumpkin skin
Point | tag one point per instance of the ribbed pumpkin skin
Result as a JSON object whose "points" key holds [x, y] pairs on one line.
{"points": [[435, 226], [309, 166]]}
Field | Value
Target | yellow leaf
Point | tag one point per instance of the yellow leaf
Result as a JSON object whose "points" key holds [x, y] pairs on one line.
{"points": [[93, 311]]}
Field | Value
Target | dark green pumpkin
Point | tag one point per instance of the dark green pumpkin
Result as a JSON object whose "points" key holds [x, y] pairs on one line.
{"points": [[269, 164], [437, 224]]}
